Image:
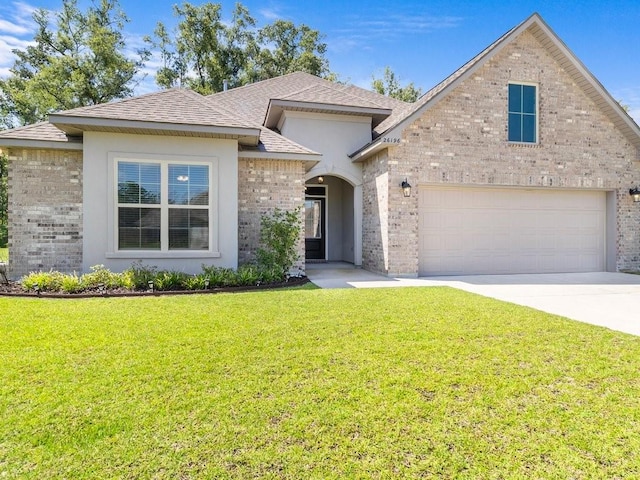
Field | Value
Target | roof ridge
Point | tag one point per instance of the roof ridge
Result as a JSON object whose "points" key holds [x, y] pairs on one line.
{"points": [[263, 82]]}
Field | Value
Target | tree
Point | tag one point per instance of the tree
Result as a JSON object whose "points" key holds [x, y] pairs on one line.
{"points": [[288, 48], [206, 51], [389, 85], [80, 61]]}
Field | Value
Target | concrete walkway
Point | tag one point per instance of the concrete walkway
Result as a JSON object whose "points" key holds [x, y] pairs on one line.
{"points": [[610, 300]]}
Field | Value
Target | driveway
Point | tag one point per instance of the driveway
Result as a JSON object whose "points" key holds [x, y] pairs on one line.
{"points": [[606, 299]]}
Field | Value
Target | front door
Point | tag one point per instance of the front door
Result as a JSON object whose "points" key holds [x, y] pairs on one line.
{"points": [[314, 226]]}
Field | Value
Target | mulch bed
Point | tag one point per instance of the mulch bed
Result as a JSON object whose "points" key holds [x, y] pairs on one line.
{"points": [[14, 289]]}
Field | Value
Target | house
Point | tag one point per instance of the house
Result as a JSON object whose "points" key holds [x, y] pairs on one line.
{"points": [[519, 162]]}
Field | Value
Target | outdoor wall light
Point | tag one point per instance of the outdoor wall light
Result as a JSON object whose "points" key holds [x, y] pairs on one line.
{"points": [[635, 193], [406, 188], [320, 179]]}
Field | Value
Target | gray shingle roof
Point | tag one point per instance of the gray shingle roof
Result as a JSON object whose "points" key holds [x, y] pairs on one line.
{"points": [[272, 142], [42, 131], [252, 101], [174, 106]]}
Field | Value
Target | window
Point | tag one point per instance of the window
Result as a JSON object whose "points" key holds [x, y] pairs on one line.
{"points": [[522, 113], [163, 205]]}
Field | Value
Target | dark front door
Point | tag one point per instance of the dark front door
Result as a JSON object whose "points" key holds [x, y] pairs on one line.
{"points": [[314, 223]]}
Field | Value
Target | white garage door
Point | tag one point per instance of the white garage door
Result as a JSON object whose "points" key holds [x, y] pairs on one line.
{"points": [[492, 231]]}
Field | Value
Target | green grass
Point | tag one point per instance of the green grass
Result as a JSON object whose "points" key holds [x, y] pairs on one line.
{"points": [[320, 384], [4, 254]]}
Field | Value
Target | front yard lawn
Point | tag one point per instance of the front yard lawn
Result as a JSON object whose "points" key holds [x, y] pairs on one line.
{"points": [[379, 383]]}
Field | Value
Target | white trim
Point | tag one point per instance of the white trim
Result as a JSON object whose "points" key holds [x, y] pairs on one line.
{"points": [[38, 144], [164, 161], [302, 157], [76, 123]]}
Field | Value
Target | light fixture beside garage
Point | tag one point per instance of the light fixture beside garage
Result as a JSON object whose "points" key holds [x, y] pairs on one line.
{"points": [[406, 188], [635, 193]]}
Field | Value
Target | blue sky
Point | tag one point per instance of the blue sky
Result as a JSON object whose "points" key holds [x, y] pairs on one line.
{"points": [[422, 41]]}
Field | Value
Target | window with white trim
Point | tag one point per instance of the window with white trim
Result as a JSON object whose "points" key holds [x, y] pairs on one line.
{"points": [[523, 113], [163, 205]]}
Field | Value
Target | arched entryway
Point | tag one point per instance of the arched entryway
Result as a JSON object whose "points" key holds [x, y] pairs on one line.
{"points": [[330, 220]]}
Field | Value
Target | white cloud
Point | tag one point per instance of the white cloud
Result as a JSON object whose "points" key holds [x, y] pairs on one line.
{"points": [[270, 13], [13, 28], [363, 32], [18, 27]]}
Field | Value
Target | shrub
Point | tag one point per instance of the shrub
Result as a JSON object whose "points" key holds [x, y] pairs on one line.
{"points": [[170, 280], [248, 275], [140, 275], [279, 235], [70, 283], [100, 275], [43, 281], [4, 235], [196, 282]]}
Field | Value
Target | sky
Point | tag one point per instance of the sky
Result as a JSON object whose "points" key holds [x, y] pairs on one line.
{"points": [[422, 41]]}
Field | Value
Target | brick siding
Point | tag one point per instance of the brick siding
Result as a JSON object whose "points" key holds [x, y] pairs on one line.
{"points": [[45, 211], [462, 140], [262, 186]]}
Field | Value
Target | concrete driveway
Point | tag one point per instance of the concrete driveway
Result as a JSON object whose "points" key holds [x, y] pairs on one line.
{"points": [[610, 300]]}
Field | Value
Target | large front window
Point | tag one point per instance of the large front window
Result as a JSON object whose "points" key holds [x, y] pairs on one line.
{"points": [[522, 113], [163, 205]]}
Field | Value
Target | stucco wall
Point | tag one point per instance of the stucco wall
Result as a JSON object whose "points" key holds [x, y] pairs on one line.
{"points": [[463, 140], [99, 176], [335, 137], [263, 186], [45, 211]]}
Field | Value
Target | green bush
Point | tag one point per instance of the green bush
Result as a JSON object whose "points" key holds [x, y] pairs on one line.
{"points": [[279, 236], [43, 281], [170, 280], [4, 236], [102, 276], [140, 275], [71, 283]]}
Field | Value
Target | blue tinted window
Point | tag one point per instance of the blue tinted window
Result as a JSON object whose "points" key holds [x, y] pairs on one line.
{"points": [[522, 113]]}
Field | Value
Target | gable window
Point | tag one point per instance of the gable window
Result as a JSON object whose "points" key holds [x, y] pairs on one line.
{"points": [[163, 205], [523, 124]]}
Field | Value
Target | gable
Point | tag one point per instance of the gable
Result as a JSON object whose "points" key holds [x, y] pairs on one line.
{"points": [[548, 41]]}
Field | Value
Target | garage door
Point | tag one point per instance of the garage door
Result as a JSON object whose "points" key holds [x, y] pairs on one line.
{"points": [[492, 231]]}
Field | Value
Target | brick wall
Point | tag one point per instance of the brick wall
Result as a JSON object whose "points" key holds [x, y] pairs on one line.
{"points": [[462, 141], [375, 214], [45, 211], [262, 186]]}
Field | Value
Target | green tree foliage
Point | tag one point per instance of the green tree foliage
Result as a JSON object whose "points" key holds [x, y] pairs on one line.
{"points": [[288, 48], [390, 85], [79, 61], [205, 51]]}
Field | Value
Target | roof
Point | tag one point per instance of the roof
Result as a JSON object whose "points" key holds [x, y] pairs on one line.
{"points": [[401, 117], [273, 145], [253, 101], [239, 113], [173, 111], [39, 135]]}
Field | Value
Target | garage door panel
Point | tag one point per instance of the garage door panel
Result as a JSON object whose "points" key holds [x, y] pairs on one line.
{"points": [[484, 230]]}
